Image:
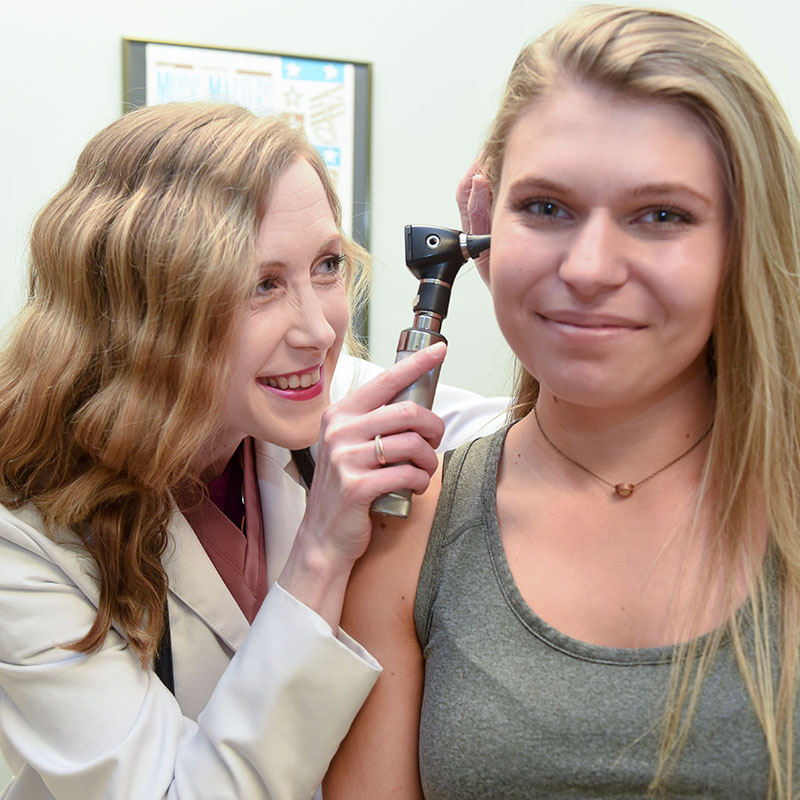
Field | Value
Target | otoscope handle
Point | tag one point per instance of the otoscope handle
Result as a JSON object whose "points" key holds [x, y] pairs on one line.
{"points": [[434, 255], [398, 504]]}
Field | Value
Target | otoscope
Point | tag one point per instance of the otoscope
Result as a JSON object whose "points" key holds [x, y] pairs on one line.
{"points": [[434, 255]]}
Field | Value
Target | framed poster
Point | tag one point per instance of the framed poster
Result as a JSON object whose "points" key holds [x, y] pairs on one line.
{"points": [[328, 99]]}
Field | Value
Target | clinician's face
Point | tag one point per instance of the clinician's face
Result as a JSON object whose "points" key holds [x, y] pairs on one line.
{"points": [[288, 338], [609, 236]]}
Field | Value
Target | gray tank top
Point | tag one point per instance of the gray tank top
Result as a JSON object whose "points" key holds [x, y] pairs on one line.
{"points": [[513, 708]]}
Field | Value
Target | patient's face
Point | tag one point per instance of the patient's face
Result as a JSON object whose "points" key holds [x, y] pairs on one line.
{"points": [[609, 236]]}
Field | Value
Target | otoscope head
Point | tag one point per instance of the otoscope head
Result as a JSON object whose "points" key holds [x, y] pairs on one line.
{"points": [[432, 251], [435, 255]]}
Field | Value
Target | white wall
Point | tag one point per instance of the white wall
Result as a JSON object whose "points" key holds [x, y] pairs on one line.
{"points": [[438, 71]]}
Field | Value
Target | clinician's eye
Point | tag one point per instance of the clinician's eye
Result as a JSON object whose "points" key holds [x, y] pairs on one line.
{"points": [[265, 286], [330, 267]]}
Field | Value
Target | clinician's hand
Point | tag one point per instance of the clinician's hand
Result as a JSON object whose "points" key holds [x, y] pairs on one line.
{"points": [[337, 526], [474, 198]]}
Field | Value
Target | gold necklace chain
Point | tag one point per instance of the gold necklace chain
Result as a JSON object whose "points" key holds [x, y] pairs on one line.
{"points": [[622, 489]]}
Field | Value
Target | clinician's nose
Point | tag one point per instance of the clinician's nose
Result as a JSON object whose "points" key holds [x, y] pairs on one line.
{"points": [[310, 327], [595, 259]]}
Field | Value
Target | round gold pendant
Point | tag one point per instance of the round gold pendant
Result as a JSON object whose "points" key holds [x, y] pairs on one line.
{"points": [[624, 489]]}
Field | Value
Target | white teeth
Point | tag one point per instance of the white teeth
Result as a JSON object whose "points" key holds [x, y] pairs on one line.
{"points": [[307, 379], [294, 381]]}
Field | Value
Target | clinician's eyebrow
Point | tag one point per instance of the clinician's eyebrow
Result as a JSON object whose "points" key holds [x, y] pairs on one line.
{"points": [[334, 243]]}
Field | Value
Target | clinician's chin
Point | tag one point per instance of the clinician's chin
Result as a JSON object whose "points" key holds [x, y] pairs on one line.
{"points": [[297, 427]]}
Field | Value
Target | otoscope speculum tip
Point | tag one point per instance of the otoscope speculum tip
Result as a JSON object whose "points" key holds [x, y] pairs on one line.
{"points": [[475, 244]]}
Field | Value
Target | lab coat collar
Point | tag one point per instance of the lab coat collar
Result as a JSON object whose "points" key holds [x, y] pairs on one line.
{"points": [[192, 576], [195, 581], [283, 503]]}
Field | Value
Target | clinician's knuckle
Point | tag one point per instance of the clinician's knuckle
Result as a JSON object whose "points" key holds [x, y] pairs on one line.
{"points": [[407, 414]]}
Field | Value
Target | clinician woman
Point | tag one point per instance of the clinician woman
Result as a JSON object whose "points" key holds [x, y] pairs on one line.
{"points": [[188, 304]]}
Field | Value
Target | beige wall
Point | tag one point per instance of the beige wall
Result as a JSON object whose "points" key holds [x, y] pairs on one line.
{"points": [[438, 71]]}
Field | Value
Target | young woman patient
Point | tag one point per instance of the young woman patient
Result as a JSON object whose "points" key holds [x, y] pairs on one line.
{"points": [[606, 600]]}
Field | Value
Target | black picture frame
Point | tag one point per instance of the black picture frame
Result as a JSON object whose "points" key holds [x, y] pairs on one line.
{"points": [[326, 97]]}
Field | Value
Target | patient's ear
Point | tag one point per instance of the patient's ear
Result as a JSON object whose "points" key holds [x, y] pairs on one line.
{"points": [[474, 198]]}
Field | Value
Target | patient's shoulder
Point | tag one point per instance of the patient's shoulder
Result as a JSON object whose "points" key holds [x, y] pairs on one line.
{"points": [[384, 580]]}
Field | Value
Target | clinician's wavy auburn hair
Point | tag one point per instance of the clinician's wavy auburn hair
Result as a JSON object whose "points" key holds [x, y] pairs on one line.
{"points": [[110, 385], [754, 457]]}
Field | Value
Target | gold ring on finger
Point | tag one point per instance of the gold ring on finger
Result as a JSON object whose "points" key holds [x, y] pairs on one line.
{"points": [[380, 453]]}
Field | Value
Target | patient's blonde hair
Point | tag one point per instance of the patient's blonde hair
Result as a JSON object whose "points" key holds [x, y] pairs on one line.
{"points": [[110, 386]]}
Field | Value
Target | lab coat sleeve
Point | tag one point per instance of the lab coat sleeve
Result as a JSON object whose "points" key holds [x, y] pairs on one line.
{"points": [[467, 415], [99, 726]]}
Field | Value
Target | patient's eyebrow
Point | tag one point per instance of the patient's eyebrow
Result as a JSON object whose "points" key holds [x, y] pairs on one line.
{"points": [[548, 186], [670, 189]]}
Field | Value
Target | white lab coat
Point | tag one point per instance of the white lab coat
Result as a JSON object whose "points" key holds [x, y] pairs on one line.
{"points": [[259, 710]]}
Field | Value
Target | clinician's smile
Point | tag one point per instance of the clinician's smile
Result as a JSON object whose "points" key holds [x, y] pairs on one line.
{"points": [[294, 380], [304, 385]]}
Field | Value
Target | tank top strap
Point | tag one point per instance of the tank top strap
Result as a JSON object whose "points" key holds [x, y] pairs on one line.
{"points": [[468, 482]]}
